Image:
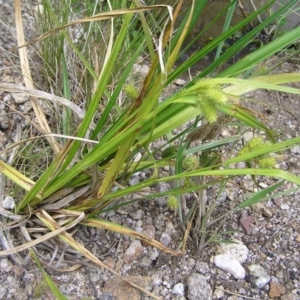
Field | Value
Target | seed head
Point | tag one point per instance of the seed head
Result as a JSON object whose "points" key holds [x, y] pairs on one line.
{"points": [[267, 162], [190, 162], [172, 202], [131, 91]]}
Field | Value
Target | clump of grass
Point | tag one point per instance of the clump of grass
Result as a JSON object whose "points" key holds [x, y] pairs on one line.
{"points": [[95, 152]]}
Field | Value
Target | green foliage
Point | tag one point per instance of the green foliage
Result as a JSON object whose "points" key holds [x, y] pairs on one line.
{"points": [[117, 136]]}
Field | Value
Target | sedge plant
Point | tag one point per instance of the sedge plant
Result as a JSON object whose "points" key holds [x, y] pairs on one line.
{"points": [[108, 117]]}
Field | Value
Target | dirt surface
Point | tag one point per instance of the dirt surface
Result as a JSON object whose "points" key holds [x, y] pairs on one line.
{"points": [[263, 264]]}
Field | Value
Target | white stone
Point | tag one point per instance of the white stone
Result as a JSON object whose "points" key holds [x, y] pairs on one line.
{"points": [[284, 206], [263, 185], [8, 203], [137, 157], [237, 250], [230, 264], [178, 289], [262, 281]]}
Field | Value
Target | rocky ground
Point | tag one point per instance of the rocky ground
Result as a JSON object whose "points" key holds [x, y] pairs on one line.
{"points": [[264, 262]]}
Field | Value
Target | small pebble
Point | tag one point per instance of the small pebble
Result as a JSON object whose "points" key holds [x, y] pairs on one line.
{"points": [[284, 206], [8, 203], [165, 239], [219, 292], [178, 289]]}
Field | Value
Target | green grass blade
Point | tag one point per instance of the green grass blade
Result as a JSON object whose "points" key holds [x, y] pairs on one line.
{"points": [[101, 87], [262, 54], [227, 22], [257, 197], [116, 93], [256, 172], [67, 112], [279, 146], [212, 45], [54, 289], [17, 177]]}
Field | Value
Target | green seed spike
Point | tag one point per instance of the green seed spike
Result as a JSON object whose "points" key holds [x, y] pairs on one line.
{"points": [[209, 111], [255, 143], [209, 131], [215, 96], [267, 162], [172, 202], [170, 151], [190, 162], [131, 91], [209, 158]]}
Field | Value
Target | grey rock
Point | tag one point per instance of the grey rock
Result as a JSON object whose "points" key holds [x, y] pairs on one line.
{"points": [[110, 213], [257, 270], [106, 296], [295, 150], [221, 198], [261, 274], [153, 253], [165, 239], [5, 265], [3, 292], [156, 282], [7, 98], [19, 271], [202, 267], [134, 180], [26, 107], [134, 251], [163, 187], [289, 297], [198, 288], [137, 215], [4, 121], [169, 228], [145, 262], [149, 230], [20, 98], [178, 289], [247, 136], [219, 292], [261, 281]]}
